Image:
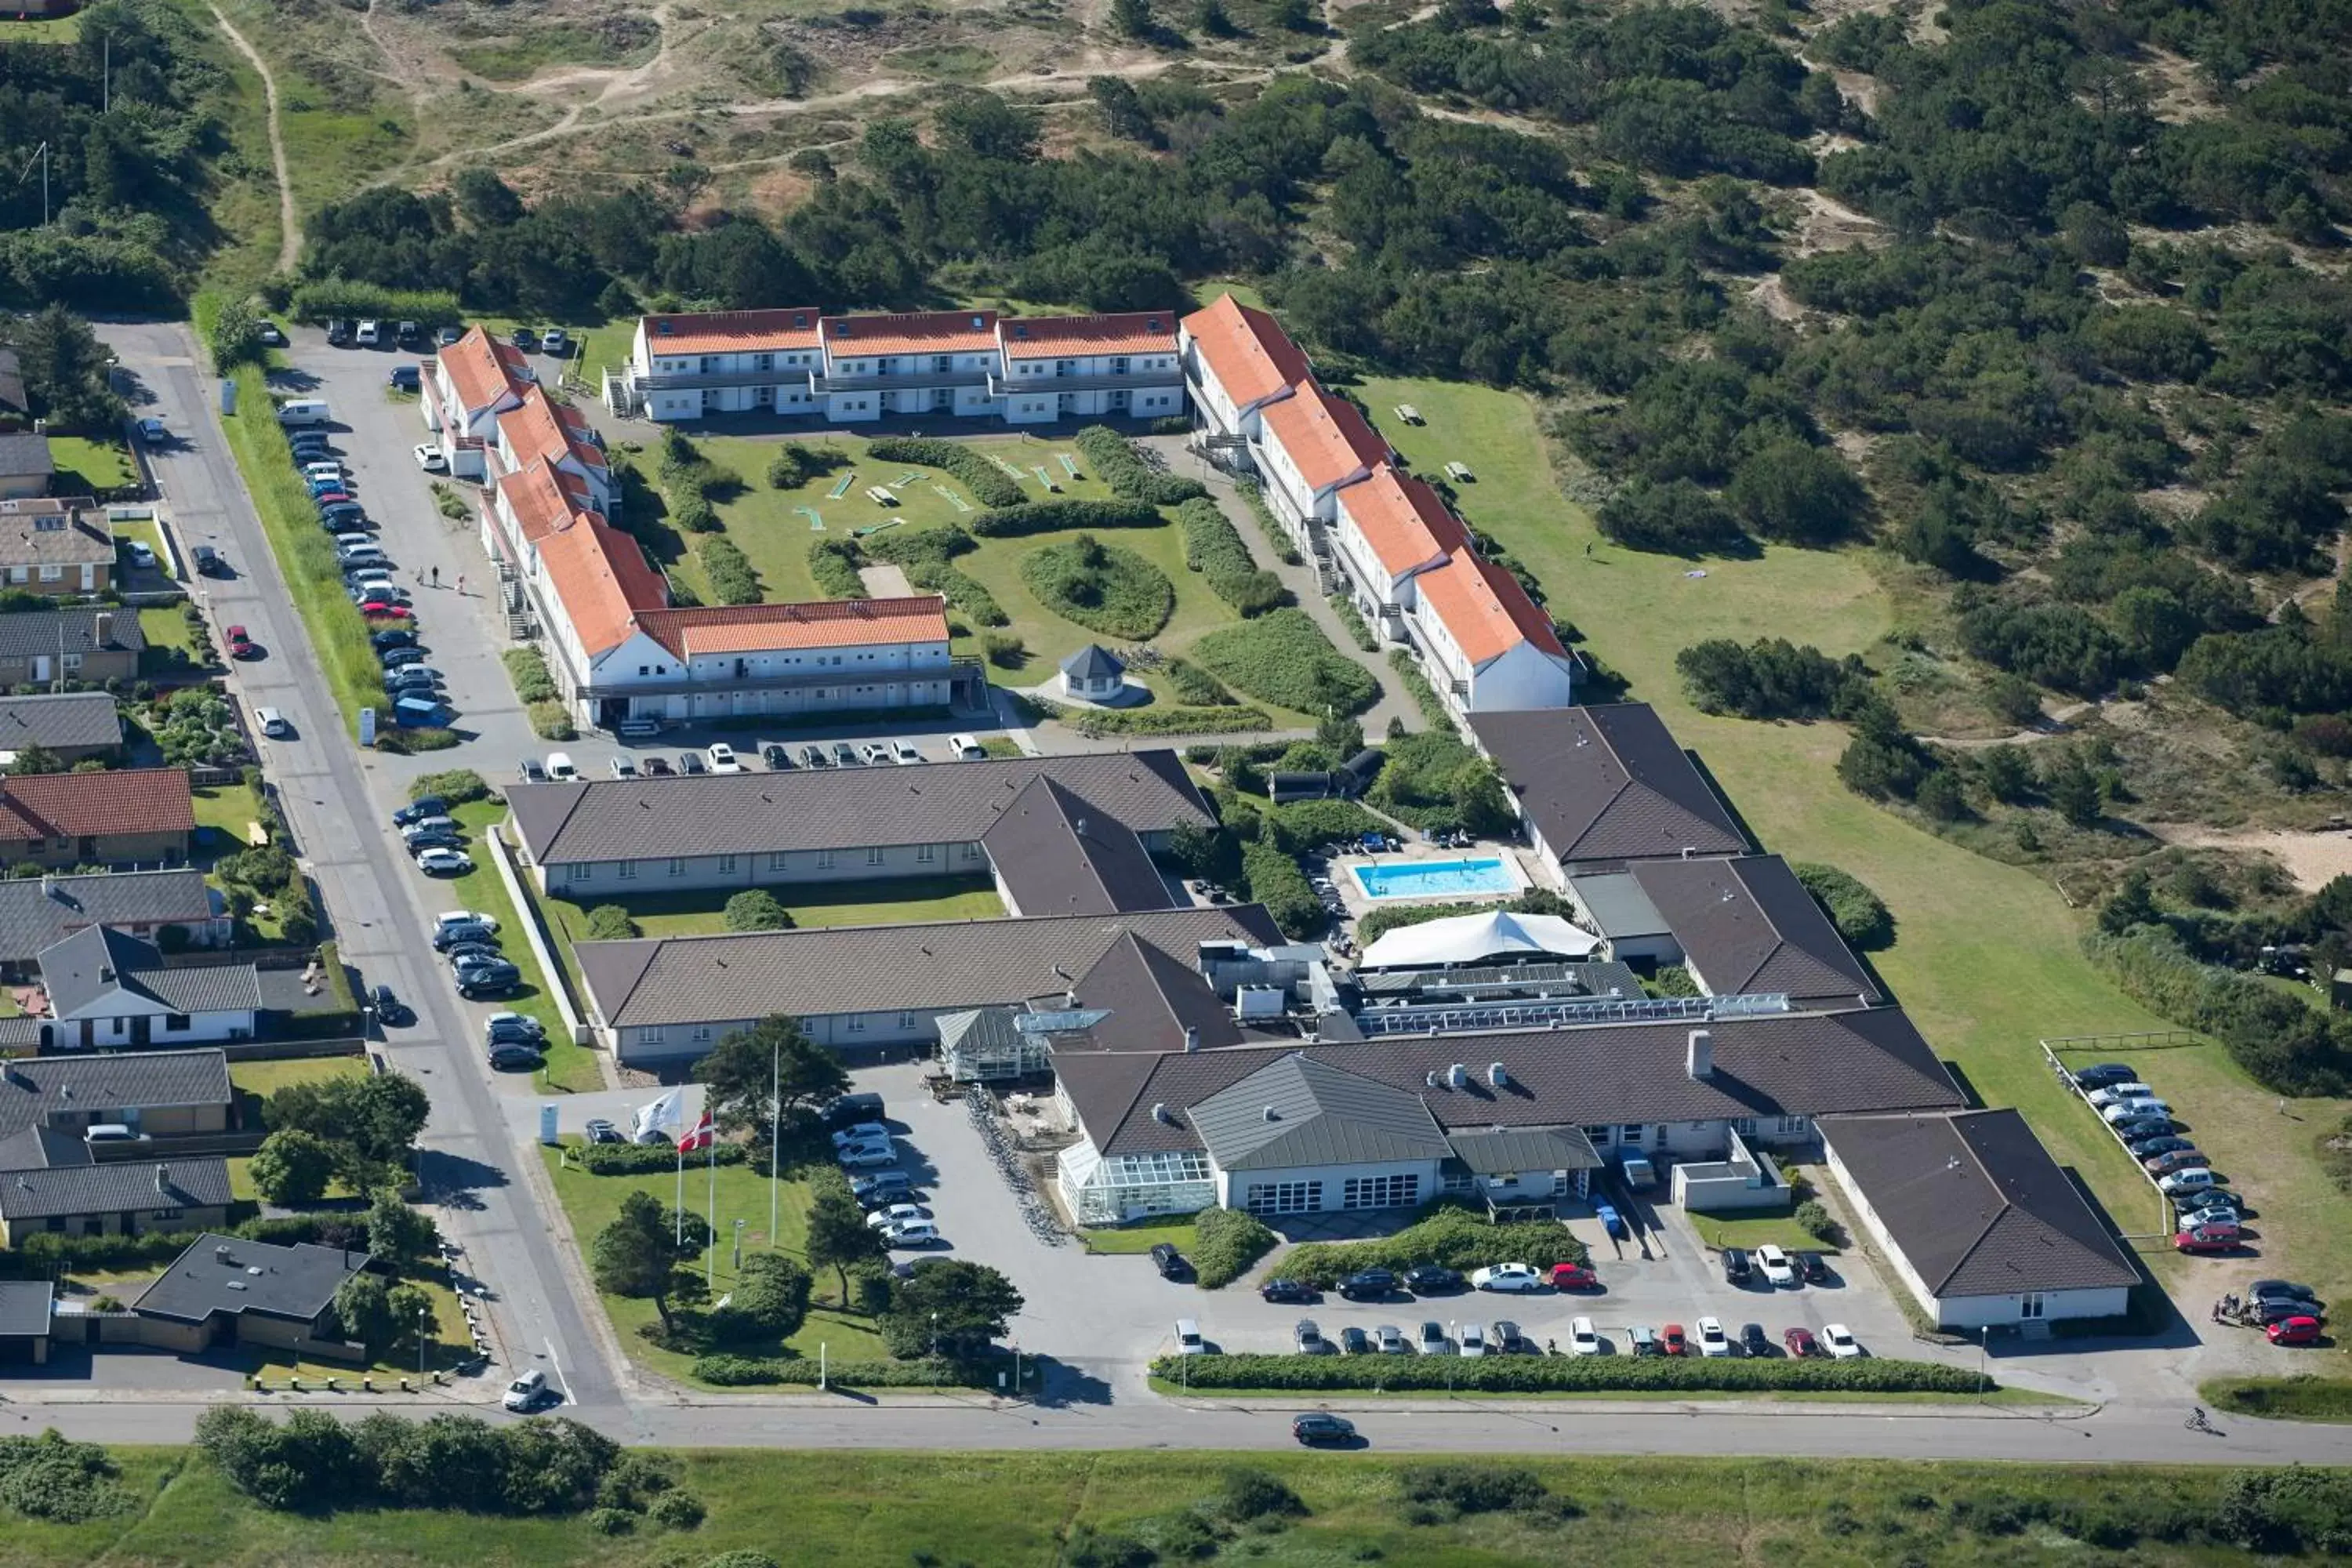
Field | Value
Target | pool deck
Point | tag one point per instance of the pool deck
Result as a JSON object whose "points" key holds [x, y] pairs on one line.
{"points": [[1360, 904]]}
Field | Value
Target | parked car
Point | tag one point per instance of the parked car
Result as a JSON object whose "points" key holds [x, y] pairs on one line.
{"points": [[2282, 1288], [1308, 1338], [659, 768], [600, 1131], [2196, 1178], [1774, 1265], [448, 337], [1712, 1340], [2216, 1213], [1288, 1291], [1799, 1343], [844, 756], [1507, 1276], [392, 637], [1752, 1340], [2149, 1126], [339, 334], [528, 1392], [1432, 1338], [1840, 1341], [2278, 1309], [1811, 1268], [2208, 1239], [418, 810], [2302, 1330], [2133, 1109], [1431, 1280], [406, 378], [496, 1034], [896, 1214], [1574, 1276], [1470, 1340], [560, 768], [1674, 1341], [1353, 1340], [723, 759], [691, 763], [1369, 1285], [861, 1133], [811, 756], [1322, 1426], [2115, 1093], [240, 646], [533, 770], [1612, 1224], [965, 749], [449, 934], [904, 752], [429, 459], [866, 1157], [269, 334], [2164, 1165], [1390, 1341], [1583, 1339], [776, 757], [395, 658], [1188, 1338], [490, 980], [554, 342], [2161, 1143], [882, 1188], [523, 338], [2105, 1074], [1169, 1262]]}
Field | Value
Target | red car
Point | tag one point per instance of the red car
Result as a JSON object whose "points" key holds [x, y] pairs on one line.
{"points": [[334, 497], [2173, 1159], [2208, 1239], [1800, 1344], [2303, 1331], [1676, 1342], [241, 646], [1573, 1277]]}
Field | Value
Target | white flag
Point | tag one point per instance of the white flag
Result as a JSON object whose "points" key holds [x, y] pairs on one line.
{"points": [[666, 1114]]}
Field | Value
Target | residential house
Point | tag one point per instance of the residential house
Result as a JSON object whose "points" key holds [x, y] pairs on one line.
{"points": [[1981, 1226], [602, 839], [87, 646], [26, 465], [1311, 445], [829, 655], [159, 1095], [224, 1290], [470, 383], [38, 912], [539, 430], [109, 990], [683, 367], [54, 1178], [1054, 854], [1088, 367], [1488, 644], [1390, 529], [49, 1182], [54, 546], [1601, 786], [1237, 360], [129, 816], [937, 365], [69, 725]]}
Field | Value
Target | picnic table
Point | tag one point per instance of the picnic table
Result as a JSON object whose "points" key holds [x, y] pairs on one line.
{"points": [[1407, 413], [1460, 472]]}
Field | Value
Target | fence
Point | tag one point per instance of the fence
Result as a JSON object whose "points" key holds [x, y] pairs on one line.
{"points": [[534, 933], [2168, 1212]]}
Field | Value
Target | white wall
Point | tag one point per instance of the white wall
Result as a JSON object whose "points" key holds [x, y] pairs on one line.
{"points": [[1233, 1187], [1524, 678], [1997, 1311]]}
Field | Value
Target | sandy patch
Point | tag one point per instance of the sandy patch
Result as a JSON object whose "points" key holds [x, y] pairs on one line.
{"points": [[2310, 859]]}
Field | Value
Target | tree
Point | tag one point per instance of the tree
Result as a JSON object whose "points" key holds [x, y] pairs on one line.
{"points": [[235, 337], [2073, 789], [2134, 905], [36, 758], [2004, 772], [838, 1236], [738, 1073], [410, 1307], [364, 1308], [986, 126], [484, 200], [373, 1121], [950, 1305], [1482, 800], [756, 909], [1788, 489], [637, 1254], [1132, 17], [396, 1233], [65, 371], [292, 1168], [769, 1299]]}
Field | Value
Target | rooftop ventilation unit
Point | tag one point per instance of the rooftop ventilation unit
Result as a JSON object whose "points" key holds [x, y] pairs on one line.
{"points": [[236, 1284], [1496, 1076], [1457, 1076], [1192, 1038], [1700, 1058], [1271, 1114], [1260, 1000], [1159, 1112]]}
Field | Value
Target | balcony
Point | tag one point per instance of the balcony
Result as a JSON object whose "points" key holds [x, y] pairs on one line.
{"points": [[1018, 385], [903, 381], [953, 672], [684, 381]]}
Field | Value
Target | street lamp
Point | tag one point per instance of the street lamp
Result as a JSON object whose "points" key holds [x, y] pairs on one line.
{"points": [[736, 1266], [420, 1341], [934, 1336]]}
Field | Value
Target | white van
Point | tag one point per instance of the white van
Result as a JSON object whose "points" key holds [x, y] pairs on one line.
{"points": [[1188, 1338], [303, 411], [525, 1392]]}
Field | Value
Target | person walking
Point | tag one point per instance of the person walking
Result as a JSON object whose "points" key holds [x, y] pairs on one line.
{"points": [[436, 576], [461, 588]]}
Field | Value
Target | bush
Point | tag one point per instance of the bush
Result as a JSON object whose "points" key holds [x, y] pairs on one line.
{"points": [[1275, 881], [1815, 1218], [1448, 1236], [612, 1521], [552, 722], [1004, 649], [1284, 658], [1857, 913], [1213, 548], [313, 1462], [1539, 1374], [990, 485], [2278, 1040], [1226, 1242], [966, 594], [1100, 586], [756, 909], [1417, 687], [1769, 678], [1254, 497], [47, 1477], [1195, 685], [1345, 608], [611, 922], [1455, 1490], [641, 1158], [527, 667], [1060, 516], [833, 563], [1249, 1494], [1157, 720], [795, 463], [676, 1511], [693, 513], [1676, 518], [752, 1371], [1130, 476], [458, 786], [732, 581]]}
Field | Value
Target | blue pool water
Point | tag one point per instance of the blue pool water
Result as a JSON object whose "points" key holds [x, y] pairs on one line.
{"points": [[1434, 879]]}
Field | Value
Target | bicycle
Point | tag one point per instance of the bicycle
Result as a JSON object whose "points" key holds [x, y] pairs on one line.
{"points": [[2197, 1421]]}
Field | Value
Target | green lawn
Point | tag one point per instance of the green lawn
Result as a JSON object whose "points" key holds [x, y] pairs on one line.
{"points": [[895, 901], [1986, 958], [451, 1345], [886, 1508], [263, 1079], [1752, 1232], [229, 810], [591, 1202], [1142, 1236], [2303, 1398], [570, 1068], [165, 627], [86, 465]]}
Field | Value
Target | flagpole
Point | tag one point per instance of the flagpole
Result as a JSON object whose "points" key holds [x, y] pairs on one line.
{"points": [[678, 1209], [710, 1252], [775, 1129]]}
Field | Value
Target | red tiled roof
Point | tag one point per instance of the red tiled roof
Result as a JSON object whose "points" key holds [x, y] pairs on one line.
{"points": [[1484, 608], [543, 498], [484, 373], [937, 332], [602, 579], [95, 806], [1047, 337], [1325, 435], [1247, 350], [1405, 520], [731, 332], [822, 623], [542, 428]]}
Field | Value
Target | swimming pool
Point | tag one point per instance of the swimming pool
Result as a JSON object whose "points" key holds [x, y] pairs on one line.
{"points": [[1435, 878]]}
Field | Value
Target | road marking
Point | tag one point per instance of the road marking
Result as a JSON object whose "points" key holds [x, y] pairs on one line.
{"points": [[561, 1382]]}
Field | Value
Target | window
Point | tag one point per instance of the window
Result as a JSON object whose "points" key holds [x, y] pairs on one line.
{"points": [[927, 853], [676, 867], [1381, 1191], [2031, 1306], [857, 1022], [726, 863], [18, 573], [702, 1031], [73, 661], [1285, 1197], [873, 855], [1600, 1137], [824, 859], [775, 859], [1632, 1134], [1791, 1126], [972, 851], [650, 1035], [166, 1214], [580, 871], [53, 573], [628, 870], [905, 1020], [177, 1024]]}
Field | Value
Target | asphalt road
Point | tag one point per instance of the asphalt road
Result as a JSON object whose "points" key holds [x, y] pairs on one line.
{"points": [[481, 1170]]}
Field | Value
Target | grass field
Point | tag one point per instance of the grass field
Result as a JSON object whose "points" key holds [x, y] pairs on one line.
{"points": [[1718, 1231], [2305, 1398], [1142, 1236], [894, 902], [264, 1079], [884, 1510], [570, 1068], [228, 810], [165, 626], [84, 466], [1986, 958], [591, 1202]]}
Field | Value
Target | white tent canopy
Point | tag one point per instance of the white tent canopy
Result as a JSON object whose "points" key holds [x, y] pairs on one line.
{"points": [[1475, 939]]}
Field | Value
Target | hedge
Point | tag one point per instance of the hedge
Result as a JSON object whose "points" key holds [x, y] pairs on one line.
{"points": [[1857, 913], [333, 297], [833, 563], [1417, 687], [1197, 686], [1275, 881], [456, 785], [1120, 466], [1567, 1374], [527, 667], [1345, 608], [921, 544], [1101, 587], [966, 594], [990, 485], [1213, 548], [2282, 1042], [1004, 649], [744, 1371], [1060, 516], [1157, 721], [1450, 1237], [1253, 496], [1284, 658], [729, 571], [44, 1254], [641, 1158], [551, 720], [1225, 1242]]}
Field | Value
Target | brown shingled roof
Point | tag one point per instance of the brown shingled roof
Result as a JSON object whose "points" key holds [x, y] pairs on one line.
{"points": [[1607, 782], [1747, 924], [95, 806]]}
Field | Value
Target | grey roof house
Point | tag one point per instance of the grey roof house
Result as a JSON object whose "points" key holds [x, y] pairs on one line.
{"points": [[107, 988], [51, 1178], [73, 724], [54, 546], [1053, 853], [225, 1290], [76, 1196], [26, 465], [25, 1305], [157, 1094], [1981, 1225], [1604, 785], [90, 645], [1093, 674], [37, 913], [1747, 926]]}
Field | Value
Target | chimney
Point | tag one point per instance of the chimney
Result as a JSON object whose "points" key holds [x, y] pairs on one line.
{"points": [[102, 629], [1192, 1038], [48, 886], [1159, 1112], [1700, 1060], [1271, 1114], [163, 1178], [1496, 1076]]}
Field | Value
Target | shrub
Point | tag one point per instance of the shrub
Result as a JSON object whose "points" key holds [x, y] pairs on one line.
{"points": [[1814, 1217], [1195, 685], [1275, 881], [692, 513], [730, 571], [611, 922], [676, 1511], [1254, 497], [639, 1159], [750, 1372], [1250, 1494], [1158, 720], [1100, 586], [1284, 658], [990, 485], [1769, 678], [2278, 1040], [527, 667], [1060, 516], [458, 786], [50, 1478], [1213, 548], [1417, 687], [1459, 1489], [1536, 1374], [1345, 608], [1004, 649], [1226, 1243], [612, 1521], [1857, 913], [966, 594], [551, 721], [756, 909], [1676, 518], [795, 463], [1451, 1237], [833, 563], [1131, 476]]}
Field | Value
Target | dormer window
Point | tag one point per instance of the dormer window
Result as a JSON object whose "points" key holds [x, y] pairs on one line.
{"points": [[666, 327]]}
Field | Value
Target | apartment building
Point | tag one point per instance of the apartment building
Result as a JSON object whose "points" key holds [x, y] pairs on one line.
{"points": [[1310, 445], [539, 430], [1488, 645], [463, 392], [1089, 367], [1390, 530], [1237, 361]]}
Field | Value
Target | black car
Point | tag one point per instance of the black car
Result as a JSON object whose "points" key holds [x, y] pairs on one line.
{"points": [[418, 810], [339, 334], [657, 767], [503, 1032], [1369, 1285], [1737, 1269], [390, 1010], [2279, 1309], [473, 955], [1169, 1262], [882, 1188], [776, 757], [2106, 1075], [395, 657], [525, 339], [1753, 1341], [849, 1110], [1322, 1426], [1428, 1279], [2162, 1143], [600, 1131], [434, 838], [1292, 1291], [490, 980], [1353, 1340], [513, 1056], [2282, 1288], [459, 934], [2154, 1126], [1810, 1269]]}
